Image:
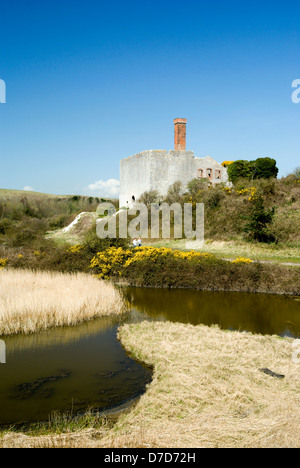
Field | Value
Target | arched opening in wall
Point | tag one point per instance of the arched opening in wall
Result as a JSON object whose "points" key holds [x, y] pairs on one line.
{"points": [[209, 173], [200, 174], [218, 174], [133, 198]]}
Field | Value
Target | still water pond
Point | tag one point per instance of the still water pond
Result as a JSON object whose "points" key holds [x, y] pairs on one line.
{"points": [[86, 366]]}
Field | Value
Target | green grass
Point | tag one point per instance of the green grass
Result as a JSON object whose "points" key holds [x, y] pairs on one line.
{"points": [[8, 193], [63, 423], [232, 249]]}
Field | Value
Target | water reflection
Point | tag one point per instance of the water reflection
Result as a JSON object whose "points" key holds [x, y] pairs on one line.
{"points": [[257, 313], [70, 367], [86, 366], [59, 336]]}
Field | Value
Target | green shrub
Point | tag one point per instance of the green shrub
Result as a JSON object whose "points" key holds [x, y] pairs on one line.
{"points": [[26, 233], [152, 196], [297, 173], [211, 273], [174, 194], [5, 225], [259, 221], [196, 186], [261, 168], [240, 169], [93, 244], [265, 168]]}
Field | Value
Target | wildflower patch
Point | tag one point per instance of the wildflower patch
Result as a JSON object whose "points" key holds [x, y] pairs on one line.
{"points": [[3, 263], [242, 260], [115, 261]]}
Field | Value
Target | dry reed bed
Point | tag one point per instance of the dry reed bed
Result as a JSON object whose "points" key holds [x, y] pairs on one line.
{"points": [[207, 391], [34, 301]]}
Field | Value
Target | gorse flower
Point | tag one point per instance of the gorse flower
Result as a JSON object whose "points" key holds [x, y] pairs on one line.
{"points": [[3, 263], [227, 190], [242, 191], [114, 261], [253, 193], [250, 192], [75, 248], [110, 262], [242, 260]]}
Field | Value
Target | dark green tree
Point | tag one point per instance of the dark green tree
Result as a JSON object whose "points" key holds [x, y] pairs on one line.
{"points": [[240, 169], [259, 221], [261, 168], [265, 168]]}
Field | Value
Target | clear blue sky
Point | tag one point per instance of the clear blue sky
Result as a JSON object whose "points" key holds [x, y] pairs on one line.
{"points": [[89, 83]]}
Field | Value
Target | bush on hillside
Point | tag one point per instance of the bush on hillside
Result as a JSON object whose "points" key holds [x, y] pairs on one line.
{"points": [[240, 169], [93, 244], [259, 221], [261, 168], [265, 168], [147, 198]]}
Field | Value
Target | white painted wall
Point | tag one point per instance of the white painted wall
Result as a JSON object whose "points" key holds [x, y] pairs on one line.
{"points": [[158, 169]]}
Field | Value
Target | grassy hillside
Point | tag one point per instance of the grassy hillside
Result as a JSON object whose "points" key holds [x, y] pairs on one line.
{"points": [[9, 193], [26, 218], [255, 219], [235, 213], [42, 212]]}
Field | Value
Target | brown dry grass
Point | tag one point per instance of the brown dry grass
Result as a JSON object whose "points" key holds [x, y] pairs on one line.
{"points": [[33, 301], [207, 391]]}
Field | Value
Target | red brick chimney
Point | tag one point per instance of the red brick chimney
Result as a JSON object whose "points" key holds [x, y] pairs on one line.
{"points": [[180, 134]]}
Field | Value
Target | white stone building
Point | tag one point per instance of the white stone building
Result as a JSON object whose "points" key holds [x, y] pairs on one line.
{"points": [[158, 169]]}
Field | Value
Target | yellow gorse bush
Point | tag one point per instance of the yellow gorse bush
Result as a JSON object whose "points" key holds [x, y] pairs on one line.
{"points": [[113, 261], [242, 260], [75, 248], [242, 191], [3, 263], [152, 253], [146, 253], [251, 192], [110, 262], [191, 255]]}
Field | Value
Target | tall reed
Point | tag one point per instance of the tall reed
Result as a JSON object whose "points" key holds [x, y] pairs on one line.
{"points": [[33, 301]]}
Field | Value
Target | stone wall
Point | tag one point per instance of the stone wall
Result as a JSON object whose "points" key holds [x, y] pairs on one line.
{"points": [[158, 169]]}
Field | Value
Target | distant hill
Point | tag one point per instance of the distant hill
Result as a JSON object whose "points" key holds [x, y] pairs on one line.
{"points": [[9, 193], [23, 210]]}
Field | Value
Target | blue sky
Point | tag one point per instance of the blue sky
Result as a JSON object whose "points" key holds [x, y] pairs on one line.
{"points": [[89, 83]]}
